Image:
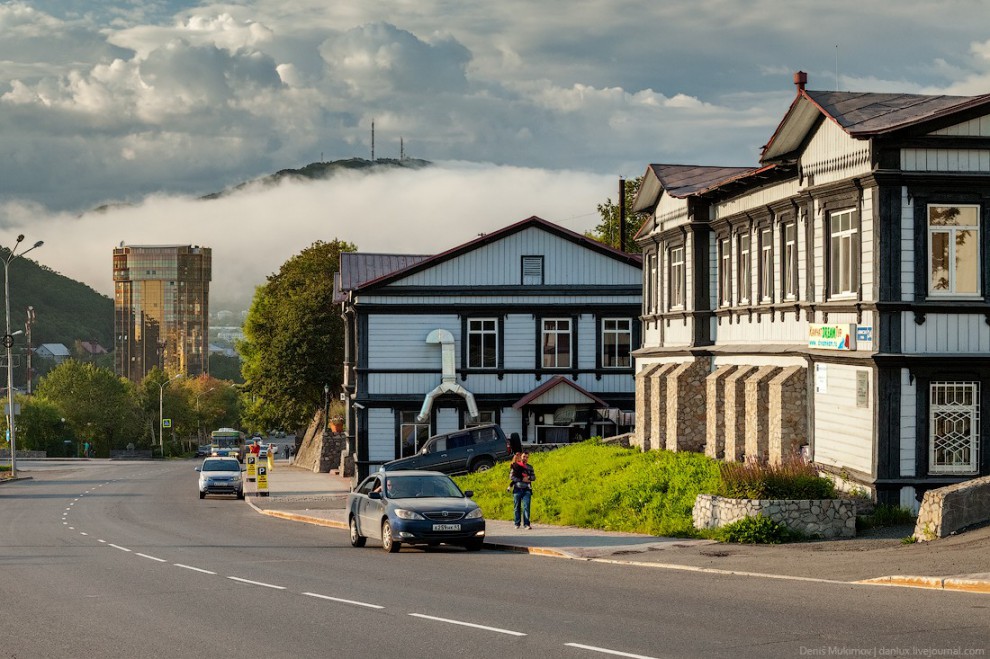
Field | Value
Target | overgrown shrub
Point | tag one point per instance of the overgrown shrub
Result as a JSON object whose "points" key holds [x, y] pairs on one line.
{"points": [[756, 530], [792, 479], [884, 516]]}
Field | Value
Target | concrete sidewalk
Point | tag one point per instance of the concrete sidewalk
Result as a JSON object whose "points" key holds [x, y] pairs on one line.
{"points": [[957, 563]]}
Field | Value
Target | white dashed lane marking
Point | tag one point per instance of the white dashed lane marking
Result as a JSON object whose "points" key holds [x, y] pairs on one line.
{"points": [[257, 583], [607, 651], [468, 624], [194, 569], [343, 601]]}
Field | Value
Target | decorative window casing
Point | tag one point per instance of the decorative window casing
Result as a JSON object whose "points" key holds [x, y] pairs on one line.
{"points": [[482, 335], [745, 284], [616, 342], [556, 344], [725, 272], [954, 250], [677, 277], [954, 427], [843, 254], [766, 265], [789, 265], [412, 433]]}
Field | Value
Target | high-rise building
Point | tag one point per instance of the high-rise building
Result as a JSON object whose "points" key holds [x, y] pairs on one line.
{"points": [[161, 309]]}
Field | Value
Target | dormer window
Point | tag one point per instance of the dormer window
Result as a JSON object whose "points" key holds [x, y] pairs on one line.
{"points": [[532, 270]]}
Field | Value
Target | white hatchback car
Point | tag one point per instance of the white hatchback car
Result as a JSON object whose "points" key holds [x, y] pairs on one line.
{"points": [[220, 476]]}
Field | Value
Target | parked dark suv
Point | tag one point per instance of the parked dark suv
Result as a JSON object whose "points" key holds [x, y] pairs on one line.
{"points": [[470, 449]]}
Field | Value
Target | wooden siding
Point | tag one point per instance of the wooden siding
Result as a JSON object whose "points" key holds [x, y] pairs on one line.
{"points": [[818, 236], [511, 421], [843, 431], [909, 422], [945, 160], [448, 420], [749, 330], [670, 212], [757, 199], [832, 155], [680, 332], [979, 127], [401, 339], [381, 434], [577, 297], [763, 359], [417, 385], [565, 263], [867, 276], [561, 395], [520, 351], [945, 333], [907, 246], [652, 335]]}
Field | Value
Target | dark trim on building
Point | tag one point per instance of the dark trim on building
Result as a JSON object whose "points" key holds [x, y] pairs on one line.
{"points": [[887, 434]]}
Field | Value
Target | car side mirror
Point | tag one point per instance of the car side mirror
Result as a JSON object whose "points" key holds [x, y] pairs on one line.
{"points": [[374, 495], [469, 493]]}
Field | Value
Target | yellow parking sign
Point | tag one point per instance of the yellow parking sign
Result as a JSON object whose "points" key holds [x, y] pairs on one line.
{"points": [[262, 481], [251, 467]]}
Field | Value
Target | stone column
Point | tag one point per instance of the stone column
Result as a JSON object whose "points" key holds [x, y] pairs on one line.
{"points": [[658, 405], [715, 412], [757, 418], [788, 413], [686, 408], [735, 412], [644, 410]]}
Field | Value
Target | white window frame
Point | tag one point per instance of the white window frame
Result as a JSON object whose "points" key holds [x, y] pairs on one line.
{"points": [[725, 273], [484, 418], [766, 265], [789, 256], [843, 282], [676, 255], [408, 425], [487, 330], [556, 328], [952, 230], [614, 329], [947, 402], [745, 268]]}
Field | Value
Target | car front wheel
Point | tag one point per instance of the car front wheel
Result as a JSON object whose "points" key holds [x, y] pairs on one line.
{"points": [[389, 544], [357, 540]]}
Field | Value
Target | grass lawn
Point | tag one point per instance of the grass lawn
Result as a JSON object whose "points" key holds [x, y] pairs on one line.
{"points": [[593, 485]]}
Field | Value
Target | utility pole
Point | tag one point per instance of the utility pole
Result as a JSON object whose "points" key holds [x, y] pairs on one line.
{"points": [[30, 346], [622, 214], [372, 140]]}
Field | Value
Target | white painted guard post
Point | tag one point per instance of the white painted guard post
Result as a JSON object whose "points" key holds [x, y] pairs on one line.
{"points": [[262, 481], [251, 460]]}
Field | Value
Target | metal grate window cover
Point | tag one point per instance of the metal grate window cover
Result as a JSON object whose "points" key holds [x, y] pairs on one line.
{"points": [[532, 270], [954, 430]]}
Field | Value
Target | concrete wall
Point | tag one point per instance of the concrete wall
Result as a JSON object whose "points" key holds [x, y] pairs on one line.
{"points": [[947, 509]]}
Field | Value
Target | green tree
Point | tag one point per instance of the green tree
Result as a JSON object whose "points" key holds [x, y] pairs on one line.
{"points": [[40, 427], [98, 406], [607, 230], [293, 340]]}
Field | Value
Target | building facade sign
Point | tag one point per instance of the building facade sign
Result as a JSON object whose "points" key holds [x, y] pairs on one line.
{"points": [[832, 336]]}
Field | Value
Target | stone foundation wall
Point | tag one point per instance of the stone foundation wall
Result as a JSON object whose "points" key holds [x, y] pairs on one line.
{"points": [[826, 518], [317, 452], [22, 455], [788, 412], [947, 509], [735, 413], [644, 408], [757, 419], [686, 406], [715, 416]]}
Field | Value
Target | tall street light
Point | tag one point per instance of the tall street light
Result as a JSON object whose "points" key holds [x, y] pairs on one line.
{"points": [[8, 343], [161, 416]]}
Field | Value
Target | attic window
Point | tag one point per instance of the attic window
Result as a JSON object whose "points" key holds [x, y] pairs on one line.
{"points": [[532, 270]]}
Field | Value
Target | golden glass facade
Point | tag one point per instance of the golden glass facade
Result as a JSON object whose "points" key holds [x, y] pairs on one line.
{"points": [[161, 309]]}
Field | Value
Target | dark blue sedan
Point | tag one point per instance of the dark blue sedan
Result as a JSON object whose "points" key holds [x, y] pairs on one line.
{"points": [[414, 508]]}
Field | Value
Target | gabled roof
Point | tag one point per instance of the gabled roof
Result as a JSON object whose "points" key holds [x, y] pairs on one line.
{"points": [[861, 115], [553, 382], [680, 181], [356, 268], [92, 347], [422, 263], [56, 349]]}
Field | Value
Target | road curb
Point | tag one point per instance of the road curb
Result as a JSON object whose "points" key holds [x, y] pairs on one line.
{"points": [[14, 480], [959, 584]]}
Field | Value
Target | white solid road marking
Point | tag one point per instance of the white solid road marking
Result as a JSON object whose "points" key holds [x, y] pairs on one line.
{"points": [[119, 547], [195, 569], [257, 583], [607, 651], [468, 624], [160, 560], [337, 599]]}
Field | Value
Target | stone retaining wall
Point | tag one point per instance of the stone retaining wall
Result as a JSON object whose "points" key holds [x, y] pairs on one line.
{"points": [[947, 509], [23, 455], [826, 518]]}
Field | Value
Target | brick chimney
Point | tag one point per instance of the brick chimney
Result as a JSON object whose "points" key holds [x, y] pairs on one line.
{"points": [[800, 80]]}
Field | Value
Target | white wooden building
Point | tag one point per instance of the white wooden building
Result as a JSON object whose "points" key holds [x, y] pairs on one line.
{"points": [[531, 327], [833, 299]]}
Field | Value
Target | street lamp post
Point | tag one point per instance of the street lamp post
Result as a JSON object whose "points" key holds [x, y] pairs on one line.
{"points": [[161, 416], [8, 343]]}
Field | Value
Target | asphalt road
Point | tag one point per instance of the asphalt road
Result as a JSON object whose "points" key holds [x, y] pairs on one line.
{"points": [[106, 559]]}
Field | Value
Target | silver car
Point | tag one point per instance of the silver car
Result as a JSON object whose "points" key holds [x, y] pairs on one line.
{"points": [[220, 476]]}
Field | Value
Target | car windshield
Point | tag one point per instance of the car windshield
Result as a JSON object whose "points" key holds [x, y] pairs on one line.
{"points": [[221, 465], [419, 487]]}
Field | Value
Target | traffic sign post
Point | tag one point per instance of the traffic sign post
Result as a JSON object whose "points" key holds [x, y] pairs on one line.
{"points": [[262, 481], [250, 459]]}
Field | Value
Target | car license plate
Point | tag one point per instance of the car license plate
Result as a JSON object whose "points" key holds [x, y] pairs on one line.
{"points": [[446, 527]]}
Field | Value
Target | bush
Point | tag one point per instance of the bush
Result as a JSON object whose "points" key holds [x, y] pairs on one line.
{"points": [[884, 516], [756, 530], [792, 479]]}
